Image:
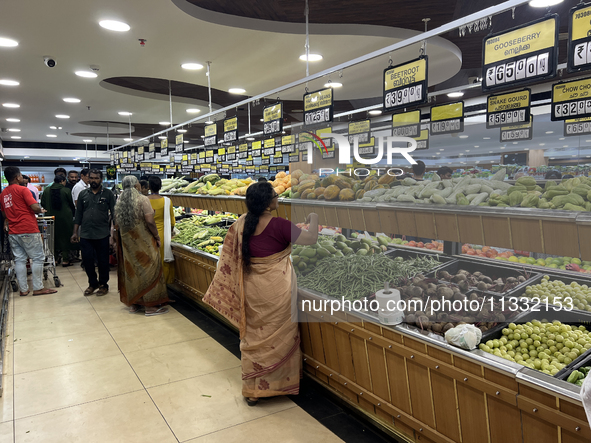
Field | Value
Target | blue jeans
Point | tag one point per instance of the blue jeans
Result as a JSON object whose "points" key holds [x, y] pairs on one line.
{"points": [[25, 246]]}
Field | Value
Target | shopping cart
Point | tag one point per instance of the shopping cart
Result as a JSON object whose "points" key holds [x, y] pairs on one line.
{"points": [[47, 229]]}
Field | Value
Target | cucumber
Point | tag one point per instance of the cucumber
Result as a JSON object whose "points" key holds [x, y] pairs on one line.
{"points": [[340, 238], [322, 252], [383, 241], [348, 251], [340, 245], [330, 249], [362, 252], [366, 241], [309, 252]]}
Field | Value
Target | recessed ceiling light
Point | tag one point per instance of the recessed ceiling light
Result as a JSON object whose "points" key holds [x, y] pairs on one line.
{"points": [[476, 146], [542, 144], [124, 113], [438, 153], [161, 137], [526, 149], [16, 137], [53, 127], [114, 25], [192, 66], [11, 105], [5, 82], [72, 100], [455, 94], [490, 152], [544, 3], [51, 135], [375, 112], [87, 141], [562, 138], [549, 132], [13, 120], [236, 91], [552, 158], [128, 139], [86, 74], [311, 57], [209, 122], [467, 150], [13, 130], [502, 147], [485, 138], [515, 143], [573, 155], [64, 116], [193, 111], [202, 136], [442, 149], [333, 85], [8, 42], [185, 141], [26, 156], [182, 131], [164, 123], [250, 139], [565, 146], [463, 136]]}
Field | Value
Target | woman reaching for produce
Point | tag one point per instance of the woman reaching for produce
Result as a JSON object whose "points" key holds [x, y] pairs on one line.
{"points": [[139, 270], [254, 287]]}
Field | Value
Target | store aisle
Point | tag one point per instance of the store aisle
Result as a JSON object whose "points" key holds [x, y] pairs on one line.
{"points": [[82, 369]]}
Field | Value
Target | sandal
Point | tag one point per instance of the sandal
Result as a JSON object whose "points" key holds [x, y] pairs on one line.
{"points": [[65, 265], [134, 308], [158, 311], [45, 292], [24, 294], [251, 401]]}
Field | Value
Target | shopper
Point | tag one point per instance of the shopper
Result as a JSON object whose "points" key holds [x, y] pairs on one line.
{"points": [[92, 226], [418, 170], [139, 271], [445, 173], [73, 178], [59, 171], [262, 180], [57, 201], [164, 218], [81, 185], [145, 187], [254, 286], [27, 184], [19, 209], [553, 175]]}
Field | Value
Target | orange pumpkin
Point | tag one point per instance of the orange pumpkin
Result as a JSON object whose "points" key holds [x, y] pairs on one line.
{"points": [[281, 175]]}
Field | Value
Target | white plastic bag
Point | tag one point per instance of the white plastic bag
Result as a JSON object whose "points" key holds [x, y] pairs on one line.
{"points": [[464, 336], [586, 397]]}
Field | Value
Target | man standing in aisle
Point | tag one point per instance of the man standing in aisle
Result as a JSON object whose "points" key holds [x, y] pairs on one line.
{"points": [[81, 185], [72, 179], [19, 209], [94, 214], [27, 184]]}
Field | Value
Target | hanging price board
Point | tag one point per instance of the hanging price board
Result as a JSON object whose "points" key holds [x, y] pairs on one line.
{"points": [[263, 169], [178, 146], [329, 152], [518, 132], [294, 156], [265, 159], [273, 119], [269, 146], [221, 155], [209, 156], [288, 144], [249, 161], [406, 85], [193, 158], [211, 137], [256, 148], [243, 151], [231, 153], [151, 154], [407, 124], [318, 107], [368, 148], [140, 154], [422, 140], [447, 119], [571, 100], [164, 147], [206, 168], [577, 126], [231, 129], [506, 109], [579, 38], [249, 169], [361, 130], [277, 159], [201, 158], [196, 168], [132, 155], [521, 55]]}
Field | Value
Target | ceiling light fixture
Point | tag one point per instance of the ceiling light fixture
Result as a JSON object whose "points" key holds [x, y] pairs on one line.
{"points": [[565, 146], [11, 105], [193, 111], [463, 136], [161, 137], [124, 113], [562, 138], [192, 66], [209, 122], [333, 85], [455, 94], [375, 112], [13, 130], [485, 138], [128, 139], [8, 42], [185, 141], [549, 132], [502, 147], [311, 57], [13, 120], [72, 100], [51, 135], [250, 139], [86, 74], [114, 25], [53, 127], [182, 131], [16, 137], [476, 146], [542, 144], [236, 91], [87, 141], [544, 3], [5, 82], [64, 116], [164, 123]]}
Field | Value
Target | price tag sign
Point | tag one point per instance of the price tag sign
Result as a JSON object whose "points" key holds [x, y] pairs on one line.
{"points": [[164, 148], [151, 154], [201, 158], [185, 160], [508, 109], [140, 154], [422, 140], [231, 153], [518, 132], [265, 159], [318, 107], [209, 156], [221, 155], [256, 148], [577, 126], [264, 169], [571, 100], [193, 158], [407, 124], [273, 119], [132, 155], [211, 138], [231, 129], [269, 147], [579, 38], [521, 55], [327, 142], [243, 151], [197, 168], [447, 119], [178, 146], [249, 161], [368, 148], [405, 85], [361, 130]]}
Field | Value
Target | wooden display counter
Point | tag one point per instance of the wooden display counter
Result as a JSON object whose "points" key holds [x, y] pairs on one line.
{"points": [[415, 385]]}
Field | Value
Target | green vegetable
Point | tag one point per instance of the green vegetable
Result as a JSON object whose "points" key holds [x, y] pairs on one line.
{"points": [[574, 376]]}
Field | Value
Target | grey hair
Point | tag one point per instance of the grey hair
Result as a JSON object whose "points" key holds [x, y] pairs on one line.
{"points": [[128, 210]]}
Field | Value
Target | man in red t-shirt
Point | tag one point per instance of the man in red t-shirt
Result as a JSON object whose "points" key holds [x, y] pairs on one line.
{"points": [[19, 208]]}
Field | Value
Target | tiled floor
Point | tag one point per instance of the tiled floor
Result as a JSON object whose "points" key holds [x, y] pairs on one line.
{"points": [[82, 369]]}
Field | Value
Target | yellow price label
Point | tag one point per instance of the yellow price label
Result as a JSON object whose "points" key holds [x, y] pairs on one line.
{"points": [[211, 130], [243, 147], [359, 127], [270, 143], [406, 118], [179, 139], [288, 140], [407, 74], [272, 113], [564, 92], [447, 112], [317, 100], [508, 102], [581, 23]]}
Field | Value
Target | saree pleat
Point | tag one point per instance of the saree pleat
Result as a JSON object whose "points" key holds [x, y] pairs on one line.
{"points": [[139, 268], [261, 305]]}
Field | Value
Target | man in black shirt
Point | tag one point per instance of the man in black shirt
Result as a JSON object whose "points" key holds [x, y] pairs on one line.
{"points": [[73, 178], [94, 214]]}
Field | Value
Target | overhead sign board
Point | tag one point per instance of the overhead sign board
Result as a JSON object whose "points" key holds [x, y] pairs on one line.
{"points": [[273, 119], [231, 129], [571, 100], [405, 85], [508, 109], [407, 124], [318, 107], [447, 119], [579, 38]]}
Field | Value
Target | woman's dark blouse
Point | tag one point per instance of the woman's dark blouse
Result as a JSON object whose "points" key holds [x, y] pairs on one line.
{"points": [[276, 236]]}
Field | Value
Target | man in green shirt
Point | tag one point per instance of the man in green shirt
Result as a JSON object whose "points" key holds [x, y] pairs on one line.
{"points": [[92, 228]]}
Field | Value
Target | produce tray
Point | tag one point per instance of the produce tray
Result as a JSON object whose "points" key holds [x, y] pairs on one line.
{"points": [[491, 270], [575, 365], [407, 254], [510, 316]]}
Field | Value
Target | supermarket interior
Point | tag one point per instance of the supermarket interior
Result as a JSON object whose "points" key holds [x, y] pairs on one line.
{"points": [[375, 230]]}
